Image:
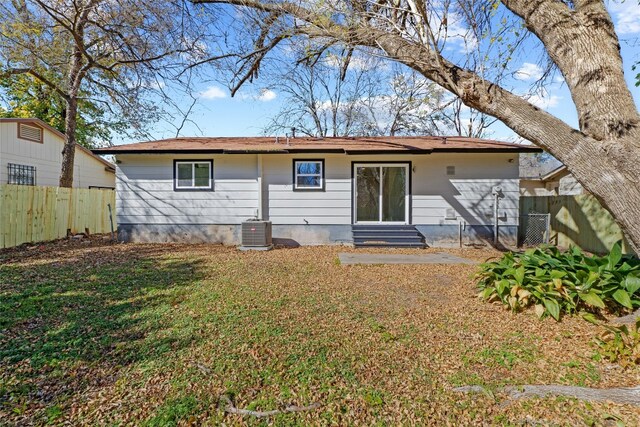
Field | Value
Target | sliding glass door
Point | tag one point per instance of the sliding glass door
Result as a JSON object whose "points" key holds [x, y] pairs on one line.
{"points": [[381, 193]]}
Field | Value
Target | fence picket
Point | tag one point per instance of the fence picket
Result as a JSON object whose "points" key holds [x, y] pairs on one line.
{"points": [[32, 214], [577, 220]]}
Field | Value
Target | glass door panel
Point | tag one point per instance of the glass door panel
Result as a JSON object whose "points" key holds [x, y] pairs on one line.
{"points": [[381, 193], [394, 187], [367, 194]]}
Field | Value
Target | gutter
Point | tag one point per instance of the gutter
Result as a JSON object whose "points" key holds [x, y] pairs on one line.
{"points": [[347, 151]]}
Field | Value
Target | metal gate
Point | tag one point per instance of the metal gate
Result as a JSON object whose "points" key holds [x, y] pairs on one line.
{"points": [[535, 229]]}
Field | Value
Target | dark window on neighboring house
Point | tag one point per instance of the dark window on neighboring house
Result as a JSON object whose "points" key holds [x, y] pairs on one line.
{"points": [[308, 175], [22, 174]]}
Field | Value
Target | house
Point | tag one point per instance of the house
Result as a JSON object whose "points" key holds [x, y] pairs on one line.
{"points": [[558, 182], [383, 190], [31, 154]]}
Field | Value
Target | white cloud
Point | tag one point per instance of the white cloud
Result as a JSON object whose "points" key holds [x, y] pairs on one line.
{"points": [[528, 71], [543, 100], [213, 92], [459, 33], [266, 95], [626, 16], [356, 62]]}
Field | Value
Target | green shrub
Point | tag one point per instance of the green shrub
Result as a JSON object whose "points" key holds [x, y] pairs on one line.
{"points": [[559, 282], [621, 344]]}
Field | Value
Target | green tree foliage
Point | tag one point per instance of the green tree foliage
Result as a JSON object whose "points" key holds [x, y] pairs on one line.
{"points": [[25, 97], [108, 60]]}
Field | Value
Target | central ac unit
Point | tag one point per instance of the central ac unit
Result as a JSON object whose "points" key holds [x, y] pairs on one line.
{"points": [[256, 233]]}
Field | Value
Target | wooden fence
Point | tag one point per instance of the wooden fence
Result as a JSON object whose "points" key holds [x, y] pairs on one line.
{"points": [[36, 214], [576, 220]]}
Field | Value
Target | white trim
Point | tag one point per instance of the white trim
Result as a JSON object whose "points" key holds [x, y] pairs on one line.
{"points": [[193, 175], [381, 195], [296, 175], [260, 189]]}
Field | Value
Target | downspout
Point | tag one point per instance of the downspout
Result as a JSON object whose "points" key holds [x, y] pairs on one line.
{"points": [[496, 198], [260, 201]]}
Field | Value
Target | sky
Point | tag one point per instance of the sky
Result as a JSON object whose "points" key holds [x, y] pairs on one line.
{"points": [[247, 114]]}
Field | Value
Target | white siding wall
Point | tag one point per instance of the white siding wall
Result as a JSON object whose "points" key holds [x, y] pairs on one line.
{"points": [[145, 192], [569, 186], [532, 187], [468, 191], [285, 206], [145, 195], [47, 158]]}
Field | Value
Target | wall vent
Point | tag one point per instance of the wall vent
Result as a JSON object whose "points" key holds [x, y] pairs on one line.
{"points": [[29, 132], [450, 213], [451, 170], [256, 233]]}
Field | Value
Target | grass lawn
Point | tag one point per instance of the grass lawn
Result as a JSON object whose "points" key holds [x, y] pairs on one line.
{"points": [[99, 334]]}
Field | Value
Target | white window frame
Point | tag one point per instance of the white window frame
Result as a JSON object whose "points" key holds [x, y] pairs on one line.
{"points": [[320, 175], [176, 186], [407, 194]]}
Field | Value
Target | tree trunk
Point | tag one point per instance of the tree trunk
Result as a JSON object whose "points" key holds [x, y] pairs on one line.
{"points": [[605, 163], [71, 119], [606, 171], [68, 152]]}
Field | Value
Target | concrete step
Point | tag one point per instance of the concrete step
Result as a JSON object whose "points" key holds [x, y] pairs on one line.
{"points": [[364, 239], [387, 236], [419, 245], [405, 234]]}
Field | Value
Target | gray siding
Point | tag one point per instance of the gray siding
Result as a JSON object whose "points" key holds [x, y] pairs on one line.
{"points": [[145, 194]]}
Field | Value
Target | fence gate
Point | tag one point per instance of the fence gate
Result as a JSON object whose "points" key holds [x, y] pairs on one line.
{"points": [[536, 228]]}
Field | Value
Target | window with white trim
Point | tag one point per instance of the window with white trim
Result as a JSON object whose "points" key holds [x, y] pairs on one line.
{"points": [[308, 175], [21, 174], [193, 175]]}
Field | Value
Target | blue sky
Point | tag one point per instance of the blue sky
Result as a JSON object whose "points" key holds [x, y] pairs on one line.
{"points": [[217, 114]]}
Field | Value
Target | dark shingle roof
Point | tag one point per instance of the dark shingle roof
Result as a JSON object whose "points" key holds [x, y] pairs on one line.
{"points": [[356, 145]]}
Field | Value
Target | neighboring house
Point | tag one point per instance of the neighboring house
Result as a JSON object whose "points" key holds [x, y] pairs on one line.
{"points": [[31, 154], [558, 182], [384, 190]]}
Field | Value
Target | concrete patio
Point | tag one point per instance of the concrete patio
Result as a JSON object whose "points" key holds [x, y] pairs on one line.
{"points": [[433, 258]]}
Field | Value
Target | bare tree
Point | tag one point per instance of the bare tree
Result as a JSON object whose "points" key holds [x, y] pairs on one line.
{"points": [[466, 121], [319, 101], [118, 53], [578, 36], [349, 94]]}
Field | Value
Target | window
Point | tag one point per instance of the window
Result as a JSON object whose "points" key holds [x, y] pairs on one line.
{"points": [[193, 174], [308, 175], [22, 174]]}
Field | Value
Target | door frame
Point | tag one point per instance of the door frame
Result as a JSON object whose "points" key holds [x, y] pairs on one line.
{"points": [[408, 195]]}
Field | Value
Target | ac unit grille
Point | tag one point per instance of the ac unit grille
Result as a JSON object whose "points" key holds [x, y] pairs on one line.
{"points": [[256, 233]]}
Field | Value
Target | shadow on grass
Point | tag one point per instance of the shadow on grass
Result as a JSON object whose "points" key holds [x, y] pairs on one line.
{"points": [[100, 306]]}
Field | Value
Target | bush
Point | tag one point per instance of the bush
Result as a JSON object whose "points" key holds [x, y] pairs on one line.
{"points": [[621, 344], [559, 282]]}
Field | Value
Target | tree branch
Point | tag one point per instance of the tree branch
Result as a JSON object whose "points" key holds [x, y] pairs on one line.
{"points": [[15, 71], [231, 409]]}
